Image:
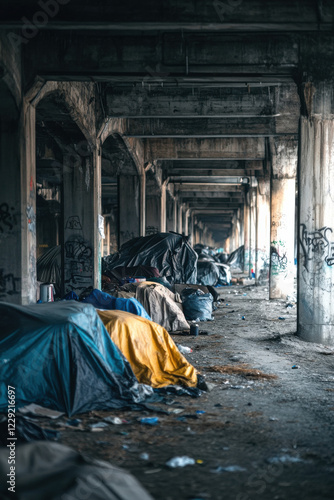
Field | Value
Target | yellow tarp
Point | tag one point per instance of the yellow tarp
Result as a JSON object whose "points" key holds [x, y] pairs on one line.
{"points": [[150, 350]]}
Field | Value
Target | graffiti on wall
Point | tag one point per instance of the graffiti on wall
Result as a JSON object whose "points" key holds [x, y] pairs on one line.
{"points": [[316, 247], [7, 218], [278, 258], [317, 253], [73, 222], [9, 285], [79, 256]]}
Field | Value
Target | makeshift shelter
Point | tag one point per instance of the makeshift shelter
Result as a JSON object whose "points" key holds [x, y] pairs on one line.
{"points": [[236, 259], [170, 253], [59, 355], [102, 300], [149, 348], [161, 305], [56, 472]]}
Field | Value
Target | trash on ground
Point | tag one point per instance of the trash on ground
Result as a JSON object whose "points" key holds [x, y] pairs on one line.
{"points": [[281, 318], [115, 420], [284, 459], [295, 367], [180, 462], [98, 427], [40, 411], [197, 305], [229, 468], [184, 349], [144, 456], [149, 420]]}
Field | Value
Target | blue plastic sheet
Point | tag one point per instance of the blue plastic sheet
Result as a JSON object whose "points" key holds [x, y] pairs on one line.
{"points": [[102, 300], [59, 355]]}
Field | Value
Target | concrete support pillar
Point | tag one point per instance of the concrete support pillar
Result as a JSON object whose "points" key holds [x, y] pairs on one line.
{"points": [[153, 214], [316, 213], [142, 207], [18, 205], [246, 233], [180, 218], [171, 214], [129, 207], [252, 231], [163, 208], [263, 231], [82, 227], [282, 233]]}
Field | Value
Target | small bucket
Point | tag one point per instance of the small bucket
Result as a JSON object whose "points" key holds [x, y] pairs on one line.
{"points": [[47, 292]]}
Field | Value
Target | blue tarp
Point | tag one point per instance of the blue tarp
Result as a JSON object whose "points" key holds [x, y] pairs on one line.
{"points": [[59, 355], [102, 300]]}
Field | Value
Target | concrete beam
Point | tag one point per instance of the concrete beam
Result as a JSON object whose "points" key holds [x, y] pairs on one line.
{"points": [[212, 127], [231, 148], [190, 195], [141, 102], [218, 164], [149, 15], [200, 188], [152, 58]]}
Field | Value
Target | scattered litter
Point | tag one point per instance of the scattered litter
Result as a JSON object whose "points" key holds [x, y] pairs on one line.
{"points": [[200, 412], [152, 471], [115, 420], [243, 370], [184, 349], [289, 305], [40, 411], [243, 317], [273, 419], [229, 468], [281, 318], [237, 387], [284, 459], [144, 456], [200, 462], [149, 420], [98, 427], [244, 294], [295, 367], [177, 411], [180, 462]]}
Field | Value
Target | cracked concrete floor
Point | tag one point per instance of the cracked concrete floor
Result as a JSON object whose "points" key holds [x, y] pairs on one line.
{"points": [[279, 433]]}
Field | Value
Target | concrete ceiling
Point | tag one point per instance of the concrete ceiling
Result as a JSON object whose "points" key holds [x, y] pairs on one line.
{"points": [[202, 85]]}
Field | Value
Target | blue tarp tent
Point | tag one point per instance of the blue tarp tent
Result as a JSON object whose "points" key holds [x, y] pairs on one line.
{"points": [[59, 355], [102, 300]]}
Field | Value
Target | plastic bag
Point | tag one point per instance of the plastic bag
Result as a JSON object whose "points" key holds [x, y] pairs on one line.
{"points": [[197, 305]]}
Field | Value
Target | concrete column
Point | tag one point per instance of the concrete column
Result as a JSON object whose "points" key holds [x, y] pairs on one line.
{"points": [[246, 233], [129, 195], [180, 218], [263, 231], [282, 233], [18, 205], [153, 214], [316, 213], [82, 237], [252, 230], [163, 208], [170, 213], [142, 207]]}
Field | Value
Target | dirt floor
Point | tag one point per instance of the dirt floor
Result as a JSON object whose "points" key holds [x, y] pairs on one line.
{"points": [[259, 438]]}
